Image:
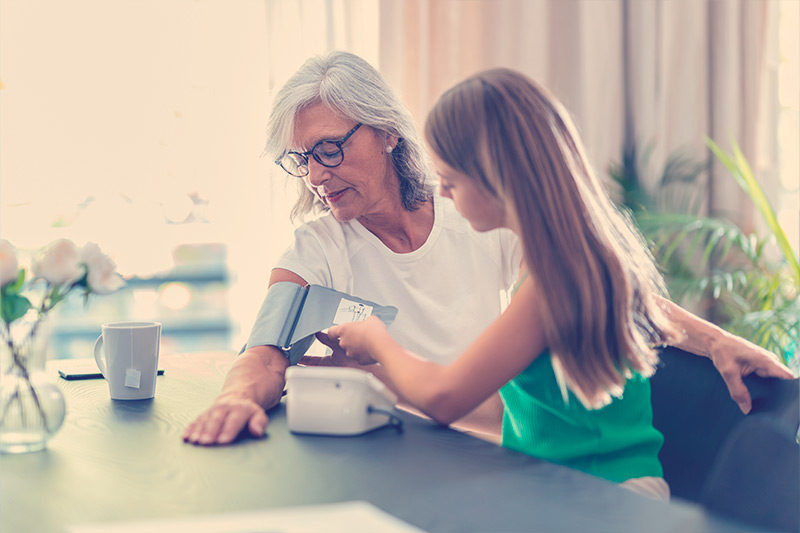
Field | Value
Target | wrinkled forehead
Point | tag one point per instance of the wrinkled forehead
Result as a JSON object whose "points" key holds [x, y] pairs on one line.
{"points": [[314, 123]]}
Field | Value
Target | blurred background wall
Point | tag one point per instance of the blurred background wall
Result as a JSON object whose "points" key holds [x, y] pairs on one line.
{"points": [[139, 124]]}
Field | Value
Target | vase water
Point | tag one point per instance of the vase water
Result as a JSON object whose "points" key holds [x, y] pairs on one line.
{"points": [[31, 404]]}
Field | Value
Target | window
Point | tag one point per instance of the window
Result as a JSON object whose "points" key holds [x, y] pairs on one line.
{"points": [[139, 126], [788, 207]]}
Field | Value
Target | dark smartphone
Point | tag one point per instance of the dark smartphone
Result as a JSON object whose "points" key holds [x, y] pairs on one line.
{"points": [[72, 369]]}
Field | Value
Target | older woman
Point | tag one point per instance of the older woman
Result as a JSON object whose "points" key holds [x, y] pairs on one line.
{"points": [[338, 128], [342, 132]]}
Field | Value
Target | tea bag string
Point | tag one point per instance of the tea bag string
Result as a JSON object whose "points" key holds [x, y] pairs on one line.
{"points": [[131, 365]]}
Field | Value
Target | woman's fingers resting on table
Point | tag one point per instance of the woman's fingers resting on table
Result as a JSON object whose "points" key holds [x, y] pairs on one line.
{"points": [[224, 421]]}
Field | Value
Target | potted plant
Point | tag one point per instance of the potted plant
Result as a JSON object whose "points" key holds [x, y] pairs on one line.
{"points": [[747, 283]]}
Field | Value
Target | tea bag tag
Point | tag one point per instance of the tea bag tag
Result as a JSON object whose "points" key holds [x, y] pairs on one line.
{"points": [[132, 378]]}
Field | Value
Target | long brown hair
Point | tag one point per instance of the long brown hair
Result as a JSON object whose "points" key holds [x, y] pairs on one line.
{"points": [[596, 279]]}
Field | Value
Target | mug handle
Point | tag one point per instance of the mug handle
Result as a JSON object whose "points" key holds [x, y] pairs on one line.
{"points": [[98, 344]]}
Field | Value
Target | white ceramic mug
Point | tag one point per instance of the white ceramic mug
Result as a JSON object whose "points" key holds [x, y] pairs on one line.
{"points": [[131, 358]]}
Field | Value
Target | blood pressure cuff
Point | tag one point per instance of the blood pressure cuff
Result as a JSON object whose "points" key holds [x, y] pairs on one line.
{"points": [[291, 314]]}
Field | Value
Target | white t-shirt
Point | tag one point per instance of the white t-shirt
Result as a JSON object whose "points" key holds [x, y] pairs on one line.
{"points": [[446, 292]]}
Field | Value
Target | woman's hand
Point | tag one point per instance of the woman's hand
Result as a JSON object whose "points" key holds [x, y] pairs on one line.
{"points": [[359, 338], [254, 382], [735, 357], [230, 415]]}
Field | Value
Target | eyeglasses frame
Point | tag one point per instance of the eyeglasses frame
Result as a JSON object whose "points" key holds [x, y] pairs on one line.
{"points": [[305, 155]]}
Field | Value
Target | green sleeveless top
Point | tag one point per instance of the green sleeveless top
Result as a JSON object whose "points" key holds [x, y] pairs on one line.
{"points": [[616, 442]]}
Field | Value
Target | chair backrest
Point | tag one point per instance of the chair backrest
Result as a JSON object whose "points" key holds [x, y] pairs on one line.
{"points": [[756, 477], [694, 411]]}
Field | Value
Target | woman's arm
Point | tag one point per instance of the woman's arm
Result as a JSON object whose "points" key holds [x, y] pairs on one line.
{"points": [[446, 393], [254, 383], [734, 357]]}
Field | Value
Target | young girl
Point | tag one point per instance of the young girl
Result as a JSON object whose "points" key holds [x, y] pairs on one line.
{"points": [[572, 352]]}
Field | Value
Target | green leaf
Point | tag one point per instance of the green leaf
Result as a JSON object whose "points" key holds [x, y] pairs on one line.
{"points": [[16, 285], [740, 170], [13, 306], [713, 240], [690, 250], [709, 259]]}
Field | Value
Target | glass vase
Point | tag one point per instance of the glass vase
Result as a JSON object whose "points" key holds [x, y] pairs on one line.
{"points": [[31, 404]]}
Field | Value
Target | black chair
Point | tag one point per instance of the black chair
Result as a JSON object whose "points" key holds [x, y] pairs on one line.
{"points": [[756, 477], [694, 411]]}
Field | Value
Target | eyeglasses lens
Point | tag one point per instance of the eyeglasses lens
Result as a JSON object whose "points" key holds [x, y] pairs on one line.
{"points": [[328, 153], [295, 164]]}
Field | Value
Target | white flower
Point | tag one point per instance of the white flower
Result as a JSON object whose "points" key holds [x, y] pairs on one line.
{"points": [[59, 264], [101, 270], [9, 266]]}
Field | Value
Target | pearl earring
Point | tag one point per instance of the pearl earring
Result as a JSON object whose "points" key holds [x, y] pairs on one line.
{"points": [[389, 149]]}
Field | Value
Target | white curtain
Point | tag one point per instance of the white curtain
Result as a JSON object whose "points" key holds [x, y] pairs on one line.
{"points": [[573, 48], [696, 69], [114, 112], [662, 71]]}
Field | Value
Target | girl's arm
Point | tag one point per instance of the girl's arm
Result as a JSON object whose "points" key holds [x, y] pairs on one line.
{"points": [[446, 393], [734, 357], [486, 419]]}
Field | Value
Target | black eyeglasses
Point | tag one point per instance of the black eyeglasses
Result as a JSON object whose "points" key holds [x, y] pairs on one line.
{"points": [[326, 153]]}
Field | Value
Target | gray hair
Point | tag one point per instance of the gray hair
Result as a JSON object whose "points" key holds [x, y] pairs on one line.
{"points": [[350, 86]]}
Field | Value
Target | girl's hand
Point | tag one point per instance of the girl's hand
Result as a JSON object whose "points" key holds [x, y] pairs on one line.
{"points": [[336, 357], [359, 338]]}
